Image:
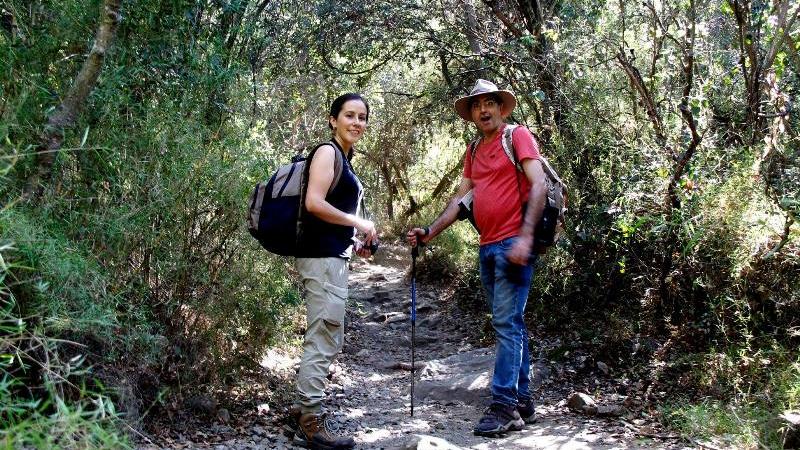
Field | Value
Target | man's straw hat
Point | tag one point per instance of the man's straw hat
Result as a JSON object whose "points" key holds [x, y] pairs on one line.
{"points": [[485, 87]]}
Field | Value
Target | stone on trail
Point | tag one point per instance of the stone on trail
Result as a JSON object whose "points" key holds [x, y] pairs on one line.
{"points": [[223, 415], [393, 317], [611, 410], [428, 306], [418, 365], [203, 404], [791, 429], [377, 277], [419, 340], [423, 442], [381, 295], [429, 322], [389, 317], [465, 377], [582, 403]]}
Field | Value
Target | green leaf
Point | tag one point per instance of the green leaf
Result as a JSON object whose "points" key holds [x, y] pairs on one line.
{"points": [[85, 136]]}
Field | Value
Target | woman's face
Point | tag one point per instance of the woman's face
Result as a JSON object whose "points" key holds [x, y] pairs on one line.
{"points": [[351, 122]]}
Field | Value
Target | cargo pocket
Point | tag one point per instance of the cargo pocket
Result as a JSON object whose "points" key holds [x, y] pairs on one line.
{"points": [[333, 312]]}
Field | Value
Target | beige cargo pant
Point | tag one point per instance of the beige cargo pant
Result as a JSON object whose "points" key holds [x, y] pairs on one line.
{"points": [[325, 283]]}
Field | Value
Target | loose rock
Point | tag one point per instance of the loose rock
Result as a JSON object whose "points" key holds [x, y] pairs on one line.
{"points": [[224, 415], [582, 403], [791, 433]]}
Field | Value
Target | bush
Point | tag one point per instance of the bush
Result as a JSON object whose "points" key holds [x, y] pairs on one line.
{"points": [[44, 400]]}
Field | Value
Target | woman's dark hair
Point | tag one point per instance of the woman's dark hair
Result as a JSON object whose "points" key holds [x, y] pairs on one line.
{"points": [[336, 106]]}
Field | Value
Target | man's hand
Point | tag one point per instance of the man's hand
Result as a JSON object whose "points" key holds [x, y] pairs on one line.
{"points": [[520, 252], [416, 236]]}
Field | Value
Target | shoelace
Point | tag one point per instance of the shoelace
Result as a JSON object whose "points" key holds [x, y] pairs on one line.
{"points": [[490, 414], [329, 424]]}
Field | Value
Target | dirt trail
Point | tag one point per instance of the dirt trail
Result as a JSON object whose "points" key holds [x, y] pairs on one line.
{"points": [[376, 401], [369, 389]]}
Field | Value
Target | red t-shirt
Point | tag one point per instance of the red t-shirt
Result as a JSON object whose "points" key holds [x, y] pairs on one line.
{"points": [[499, 189]]}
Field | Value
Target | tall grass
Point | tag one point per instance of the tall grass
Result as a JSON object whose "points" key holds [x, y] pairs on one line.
{"points": [[44, 399]]}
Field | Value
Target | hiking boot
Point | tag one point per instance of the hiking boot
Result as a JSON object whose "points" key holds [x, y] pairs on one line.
{"points": [[291, 422], [526, 411], [497, 420], [316, 432]]}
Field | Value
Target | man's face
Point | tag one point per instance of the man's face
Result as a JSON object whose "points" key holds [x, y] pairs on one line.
{"points": [[485, 112]]}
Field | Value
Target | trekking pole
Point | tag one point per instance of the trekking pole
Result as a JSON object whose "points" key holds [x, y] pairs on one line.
{"points": [[414, 254]]}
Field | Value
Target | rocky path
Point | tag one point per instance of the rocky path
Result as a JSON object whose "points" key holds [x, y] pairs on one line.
{"points": [[370, 383]]}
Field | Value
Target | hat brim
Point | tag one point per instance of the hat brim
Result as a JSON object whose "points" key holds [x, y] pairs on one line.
{"points": [[509, 103]]}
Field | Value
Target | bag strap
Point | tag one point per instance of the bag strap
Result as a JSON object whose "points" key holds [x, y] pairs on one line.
{"points": [[508, 148], [338, 164], [552, 178], [508, 145], [473, 148]]}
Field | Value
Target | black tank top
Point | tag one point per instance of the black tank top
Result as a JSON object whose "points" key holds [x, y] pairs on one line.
{"points": [[320, 239]]}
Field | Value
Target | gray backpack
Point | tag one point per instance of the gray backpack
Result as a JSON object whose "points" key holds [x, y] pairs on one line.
{"points": [[275, 205]]}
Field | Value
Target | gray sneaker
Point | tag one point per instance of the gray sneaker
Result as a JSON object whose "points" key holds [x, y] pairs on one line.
{"points": [[497, 420], [526, 411]]}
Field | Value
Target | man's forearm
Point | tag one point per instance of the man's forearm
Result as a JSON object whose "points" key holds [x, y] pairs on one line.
{"points": [[533, 213], [445, 219]]}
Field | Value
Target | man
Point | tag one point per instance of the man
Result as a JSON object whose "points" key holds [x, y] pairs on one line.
{"points": [[506, 239]]}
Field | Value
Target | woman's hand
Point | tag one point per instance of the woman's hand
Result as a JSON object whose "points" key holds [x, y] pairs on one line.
{"points": [[361, 249], [367, 227]]}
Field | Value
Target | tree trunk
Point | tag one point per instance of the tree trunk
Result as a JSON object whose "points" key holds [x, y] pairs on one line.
{"points": [[67, 112], [392, 191], [471, 28]]}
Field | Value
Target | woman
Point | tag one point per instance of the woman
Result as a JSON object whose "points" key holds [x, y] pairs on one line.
{"points": [[329, 225]]}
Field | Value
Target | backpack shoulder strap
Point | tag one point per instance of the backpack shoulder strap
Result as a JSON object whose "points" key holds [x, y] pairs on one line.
{"points": [[508, 145], [473, 147], [338, 162], [338, 166]]}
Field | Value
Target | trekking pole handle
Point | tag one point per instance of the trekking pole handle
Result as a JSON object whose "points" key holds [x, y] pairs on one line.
{"points": [[420, 243]]}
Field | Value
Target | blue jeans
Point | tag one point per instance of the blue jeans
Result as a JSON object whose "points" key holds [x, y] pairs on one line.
{"points": [[507, 286]]}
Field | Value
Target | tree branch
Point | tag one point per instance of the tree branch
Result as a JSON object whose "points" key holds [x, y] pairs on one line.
{"points": [[67, 112], [646, 97], [787, 227], [330, 64], [492, 4], [686, 113], [783, 28]]}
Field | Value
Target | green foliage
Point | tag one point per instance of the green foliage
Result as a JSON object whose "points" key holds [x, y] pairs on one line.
{"points": [[42, 403], [137, 248], [743, 426], [765, 383]]}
